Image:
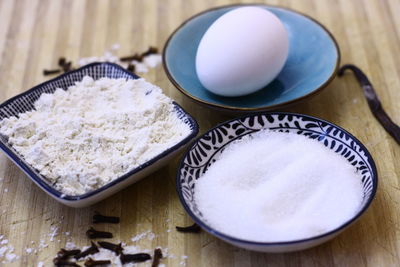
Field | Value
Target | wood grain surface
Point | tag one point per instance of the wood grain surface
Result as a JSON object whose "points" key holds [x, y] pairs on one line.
{"points": [[35, 33]]}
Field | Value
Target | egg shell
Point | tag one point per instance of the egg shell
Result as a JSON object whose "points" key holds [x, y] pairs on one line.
{"points": [[242, 51]]}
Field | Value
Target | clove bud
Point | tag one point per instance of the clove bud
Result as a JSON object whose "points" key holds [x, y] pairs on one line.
{"points": [[91, 250], [133, 57], [64, 263], [189, 229], [63, 253], [117, 249], [139, 257], [151, 50], [92, 263], [93, 233], [157, 257], [98, 218], [50, 72]]}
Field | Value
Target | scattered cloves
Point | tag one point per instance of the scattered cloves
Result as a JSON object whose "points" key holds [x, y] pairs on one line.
{"points": [[139, 257], [50, 72], [63, 253], [62, 61], [131, 67], [136, 57], [93, 233], [157, 257], [64, 263], [151, 50], [98, 218], [116, 248], [91, 263], [189, 229], [67, 66], [91, 250]]}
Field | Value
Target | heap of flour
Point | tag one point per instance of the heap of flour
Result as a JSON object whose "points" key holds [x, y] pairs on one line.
{"points": [[274, 186], [96, 131]]}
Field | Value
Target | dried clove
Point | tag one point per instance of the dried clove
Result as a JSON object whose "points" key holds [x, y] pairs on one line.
{"points": [[139, 257], [136, 57], [67, 66], [91, 250], [63, 253], [93, 233], [64, 263], [50, 72], [131, 67], [189, 229], [151, 50], [62, 61], [98, 218], [116, 248], [157, 257], [91, 263]]}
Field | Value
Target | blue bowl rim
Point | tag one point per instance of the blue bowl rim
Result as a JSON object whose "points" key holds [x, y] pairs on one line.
{"points": [[250, 109], [41, 180], [293, 242]]}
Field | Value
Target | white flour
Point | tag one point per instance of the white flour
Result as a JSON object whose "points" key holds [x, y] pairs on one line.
{"points": [[278, 187], [96, 131]]}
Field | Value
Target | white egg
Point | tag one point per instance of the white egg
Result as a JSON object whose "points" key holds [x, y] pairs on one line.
{"points": [[242, 51]]}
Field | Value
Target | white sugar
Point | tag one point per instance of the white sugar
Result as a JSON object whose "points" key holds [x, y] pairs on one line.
{"points": [[147, 234], [70, 245], [53, 233], [278, 187], [3, 250]]}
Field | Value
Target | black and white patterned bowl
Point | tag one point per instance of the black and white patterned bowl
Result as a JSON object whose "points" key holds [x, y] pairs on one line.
{"points": [[24, 102], [204, 151]]}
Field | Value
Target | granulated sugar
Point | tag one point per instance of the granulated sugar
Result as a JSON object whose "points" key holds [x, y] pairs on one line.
{"points": [[147, 234], [278, 187]]}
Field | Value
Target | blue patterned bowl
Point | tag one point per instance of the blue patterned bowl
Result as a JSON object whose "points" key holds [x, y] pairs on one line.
{"points": [[24, 102], [203, 152], [312, 62]]}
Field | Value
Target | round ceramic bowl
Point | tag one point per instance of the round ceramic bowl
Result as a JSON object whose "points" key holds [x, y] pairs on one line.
{"points": [[203, 152], [312, 62]]}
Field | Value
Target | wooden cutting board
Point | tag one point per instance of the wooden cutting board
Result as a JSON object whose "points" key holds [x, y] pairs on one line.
{"points": [[34, 34]]}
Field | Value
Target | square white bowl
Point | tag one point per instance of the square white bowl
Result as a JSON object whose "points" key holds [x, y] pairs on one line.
{"points": [[25, 102]]}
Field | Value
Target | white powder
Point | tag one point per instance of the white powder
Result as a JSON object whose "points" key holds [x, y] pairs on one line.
{"points": [[149, 62], [42, 245], [70, 245], [96, 131], [278, 187], [147, 234], [183, 260], [10, 257], [3, 250], [53, 233]]}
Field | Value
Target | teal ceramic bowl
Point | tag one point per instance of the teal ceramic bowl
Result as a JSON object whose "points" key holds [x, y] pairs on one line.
{"points": [[312, 63]]}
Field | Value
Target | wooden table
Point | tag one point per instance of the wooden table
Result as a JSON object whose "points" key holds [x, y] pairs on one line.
{"points": [[34, 34]]}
